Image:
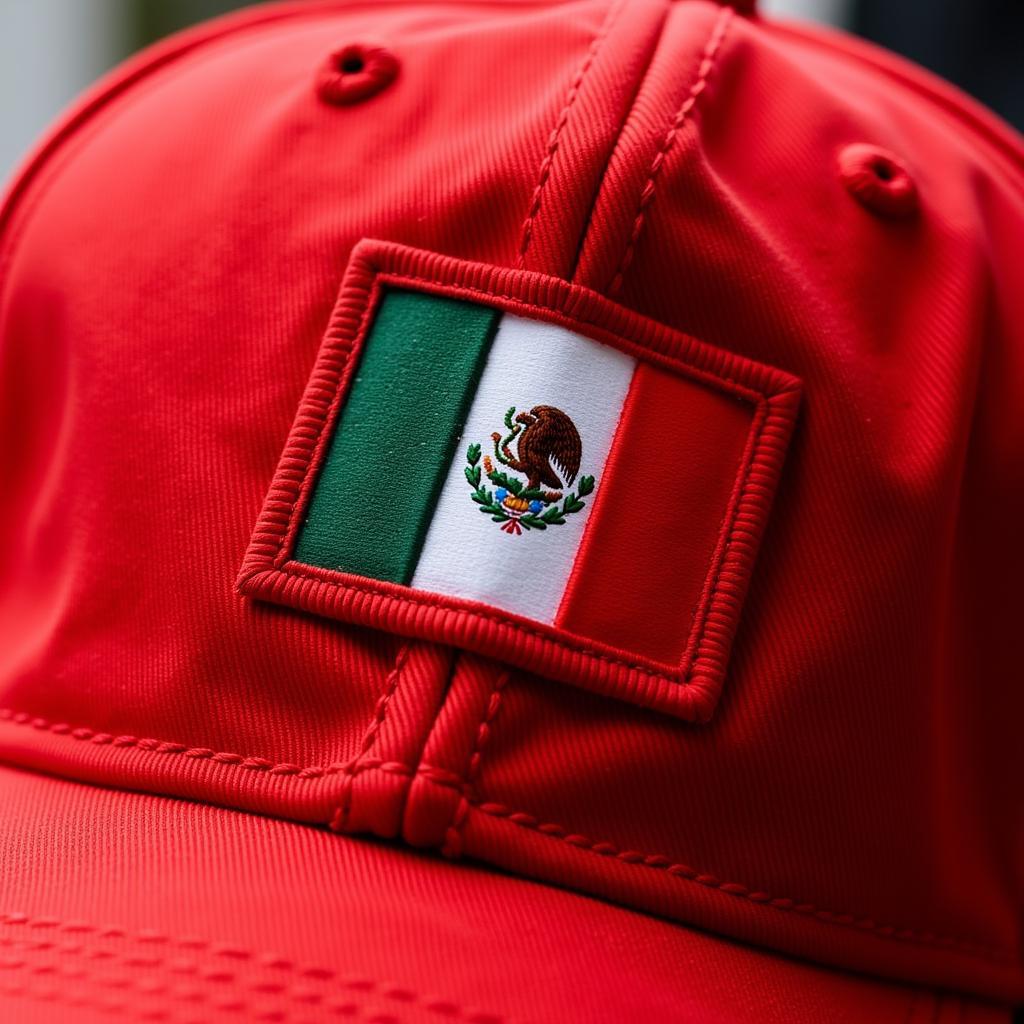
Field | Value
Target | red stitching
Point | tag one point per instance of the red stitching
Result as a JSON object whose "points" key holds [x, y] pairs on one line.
{"points": [[163, 991], [453, 834], [660, 862], [297, 570], [444, 777], [555, 137], [268, 961], [647, 193], [249, 763], [72, 997], [727, 532], [339, 820]]}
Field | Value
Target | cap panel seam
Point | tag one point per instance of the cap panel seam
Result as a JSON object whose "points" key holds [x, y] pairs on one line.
{"points": [[915, 936], [707, 64], [453, 846], [246, 762], [446, 778], [453, 833], [554, 140], [339, 820]]}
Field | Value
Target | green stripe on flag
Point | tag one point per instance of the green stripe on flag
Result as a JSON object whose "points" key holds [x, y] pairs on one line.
{"points": [[396, 435]]}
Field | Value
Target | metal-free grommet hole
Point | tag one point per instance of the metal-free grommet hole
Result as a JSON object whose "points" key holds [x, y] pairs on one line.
{"points": [[878, 180], [355, 72]]}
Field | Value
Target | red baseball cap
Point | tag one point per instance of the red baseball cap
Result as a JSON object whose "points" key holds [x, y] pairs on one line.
{"points": [[511, 512]]}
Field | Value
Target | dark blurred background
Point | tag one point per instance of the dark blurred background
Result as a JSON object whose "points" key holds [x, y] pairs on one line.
{"points": [[51, 49]]}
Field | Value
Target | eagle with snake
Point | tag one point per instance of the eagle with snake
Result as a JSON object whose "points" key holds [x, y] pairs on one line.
{"points": [[548, 449]]}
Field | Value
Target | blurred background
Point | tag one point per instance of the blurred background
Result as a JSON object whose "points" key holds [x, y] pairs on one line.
{"points": [[51, 49]]}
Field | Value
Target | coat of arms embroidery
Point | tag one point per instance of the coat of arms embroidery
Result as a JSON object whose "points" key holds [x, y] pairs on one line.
{"points": [[529, 485]]}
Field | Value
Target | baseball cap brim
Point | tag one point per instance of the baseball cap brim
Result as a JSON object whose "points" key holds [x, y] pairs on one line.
{"points": [[156, 908]]}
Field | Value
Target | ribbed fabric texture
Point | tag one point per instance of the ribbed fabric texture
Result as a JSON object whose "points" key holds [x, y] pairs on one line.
{"points": [[121, 906]]}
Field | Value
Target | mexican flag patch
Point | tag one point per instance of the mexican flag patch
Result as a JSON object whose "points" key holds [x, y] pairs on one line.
{"points": [[515, 465]]}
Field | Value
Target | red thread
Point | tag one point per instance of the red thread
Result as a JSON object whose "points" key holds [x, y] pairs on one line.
{"points": [[444, 777], [339, 820], [257, 764], [453, 834], [72, 996], [647, 193], [676, 869], [176, 966], [727, 532], [556, 133]]}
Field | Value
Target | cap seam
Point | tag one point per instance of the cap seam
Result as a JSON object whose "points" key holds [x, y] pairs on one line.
{"points": [[647, 193], [247, 762], [605, 848], [452, 847], [555, 138], [454, 843], [443, 777], [358, 984], [467, 786], [339, 820]]}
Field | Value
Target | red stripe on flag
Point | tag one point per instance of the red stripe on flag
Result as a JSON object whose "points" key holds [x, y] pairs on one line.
{"points": [[643, 561]]}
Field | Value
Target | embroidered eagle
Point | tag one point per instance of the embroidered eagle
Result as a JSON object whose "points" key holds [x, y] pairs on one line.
{"points": [[549, 449]]}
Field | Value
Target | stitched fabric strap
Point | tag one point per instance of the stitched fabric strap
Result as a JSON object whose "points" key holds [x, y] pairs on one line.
{"points": [[396, 435]]}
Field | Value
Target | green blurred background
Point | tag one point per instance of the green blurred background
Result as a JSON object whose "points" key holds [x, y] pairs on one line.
{"points": [[146, 20]]}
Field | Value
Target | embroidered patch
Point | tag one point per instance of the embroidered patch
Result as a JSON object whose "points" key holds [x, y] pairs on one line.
{"points": [[515, 465]]}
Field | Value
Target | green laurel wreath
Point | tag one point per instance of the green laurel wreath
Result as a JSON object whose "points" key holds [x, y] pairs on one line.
{"points": [[553, 515]]}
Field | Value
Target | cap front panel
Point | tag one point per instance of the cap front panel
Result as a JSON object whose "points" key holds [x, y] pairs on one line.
{"points": [[622, 178]]}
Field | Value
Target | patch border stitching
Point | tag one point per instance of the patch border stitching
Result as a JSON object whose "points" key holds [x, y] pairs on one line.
{"points": [[689, 690]]}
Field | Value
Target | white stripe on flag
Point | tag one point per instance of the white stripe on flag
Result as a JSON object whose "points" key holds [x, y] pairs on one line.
{"points": [[467, 555]]}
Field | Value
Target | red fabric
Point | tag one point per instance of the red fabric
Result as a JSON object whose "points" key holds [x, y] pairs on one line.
{"points": [[122, 906], [667, 490], [168, 266]]}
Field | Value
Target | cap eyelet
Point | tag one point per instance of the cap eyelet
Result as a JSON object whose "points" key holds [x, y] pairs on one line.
{"points": [[878, 180], [355, 72]]}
